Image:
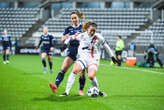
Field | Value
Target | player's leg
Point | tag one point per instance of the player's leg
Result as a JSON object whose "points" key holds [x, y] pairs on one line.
{"points": [[82, 82], [76, 69], [50, 63], [67, 63], [8, 55], [91, 74], [43, 55], [118, 57], [4, 56], [159, 61]]}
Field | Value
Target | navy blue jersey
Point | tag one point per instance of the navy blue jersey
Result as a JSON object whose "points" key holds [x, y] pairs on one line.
{"points": [[46, 41], [74, 44], [72, 31], [6, 41]]}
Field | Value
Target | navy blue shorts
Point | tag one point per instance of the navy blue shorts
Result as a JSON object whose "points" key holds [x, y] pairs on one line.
{"points": [[6, 48], [72, 52], [47, 51]]}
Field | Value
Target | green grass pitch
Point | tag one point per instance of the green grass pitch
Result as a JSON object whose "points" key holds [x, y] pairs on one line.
{"points": [[23, 86]]}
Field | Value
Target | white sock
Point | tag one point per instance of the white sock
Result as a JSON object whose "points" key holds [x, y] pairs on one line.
{"points": [[94, 82], [70, 82]]}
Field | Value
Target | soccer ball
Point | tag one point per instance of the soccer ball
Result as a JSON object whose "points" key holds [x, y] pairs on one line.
{"points": [[93, 92]]}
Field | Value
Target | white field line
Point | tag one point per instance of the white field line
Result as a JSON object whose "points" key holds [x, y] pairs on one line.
{"points": [[128, 68]]}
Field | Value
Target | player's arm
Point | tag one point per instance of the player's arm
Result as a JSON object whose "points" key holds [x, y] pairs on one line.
{"points": [[109, 51], [66, 35], [77, 36], [52, 43], [64, 38], [107, 48], [10, 43], [40, 41]]}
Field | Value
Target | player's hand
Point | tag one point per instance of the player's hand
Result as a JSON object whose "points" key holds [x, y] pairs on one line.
{"points": [[67, 36], [52, 49], [114, 60]]}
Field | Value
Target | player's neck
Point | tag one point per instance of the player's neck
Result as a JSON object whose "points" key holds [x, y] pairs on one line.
{"points": [[73, 25]]}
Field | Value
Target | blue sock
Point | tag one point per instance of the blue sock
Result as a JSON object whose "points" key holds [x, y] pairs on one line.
{"points": [[82, 82], [4, 57], [59, 78], [8, 57], [44, 62], [50, 64]]}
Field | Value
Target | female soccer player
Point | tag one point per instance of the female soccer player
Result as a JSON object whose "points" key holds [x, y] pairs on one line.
{"points": [[75, 29], [47, 47], [6, 44], [89, 54]]}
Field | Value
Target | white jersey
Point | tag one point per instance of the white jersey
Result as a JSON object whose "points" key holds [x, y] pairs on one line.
{"points": [[90, 46]]}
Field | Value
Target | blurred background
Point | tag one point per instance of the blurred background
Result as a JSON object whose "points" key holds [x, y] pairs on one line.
{"points": [[137, 21]]}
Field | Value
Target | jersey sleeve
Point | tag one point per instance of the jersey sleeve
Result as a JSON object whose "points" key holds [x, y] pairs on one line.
{"points": [[40, 41], [104, 43], [66, 31], [101, 39], [77, 36], [52, 41], [10, 41]]}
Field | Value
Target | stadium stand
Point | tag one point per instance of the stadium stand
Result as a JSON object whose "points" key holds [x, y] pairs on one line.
{"points": [[17, 20], [157, 37], [107, 19]]}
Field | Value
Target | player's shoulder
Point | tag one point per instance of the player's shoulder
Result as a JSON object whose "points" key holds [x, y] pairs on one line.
{"points": [[83, 34], [99, 36], [50, 34], [80, 25], [69, 27]]}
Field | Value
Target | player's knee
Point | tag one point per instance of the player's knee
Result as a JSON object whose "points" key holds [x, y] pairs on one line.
{"points": [[91, 77], [75, 71], [49, 59]]}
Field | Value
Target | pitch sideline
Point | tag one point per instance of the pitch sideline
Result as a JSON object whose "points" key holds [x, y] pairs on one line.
{"points": [[128, 68]]}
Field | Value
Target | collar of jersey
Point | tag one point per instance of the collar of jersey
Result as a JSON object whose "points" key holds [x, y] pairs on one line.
{"points": [[89, 36], [76, 26]]}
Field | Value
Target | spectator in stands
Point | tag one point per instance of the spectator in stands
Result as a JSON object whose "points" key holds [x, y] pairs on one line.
{"points": [[132, 48], [152, 55], [6, 45], [119, 48], [74, 29]]}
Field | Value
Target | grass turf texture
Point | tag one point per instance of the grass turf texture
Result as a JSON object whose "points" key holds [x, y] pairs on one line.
{"points": [[23, 86]]}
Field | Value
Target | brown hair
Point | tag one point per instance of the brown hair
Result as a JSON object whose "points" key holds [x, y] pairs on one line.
{"points": [[120, 36], [87, 24], [79, 14]]}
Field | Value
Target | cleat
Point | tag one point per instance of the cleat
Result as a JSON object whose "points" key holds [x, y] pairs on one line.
{"points": [[7, 62], [64, 94], [4, 62], [53, 87], [102, 94], [81, 93], [45, 70], [50, 71]]}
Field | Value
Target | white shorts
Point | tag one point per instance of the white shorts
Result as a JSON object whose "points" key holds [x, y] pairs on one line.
{"points": [[88, 62]]}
